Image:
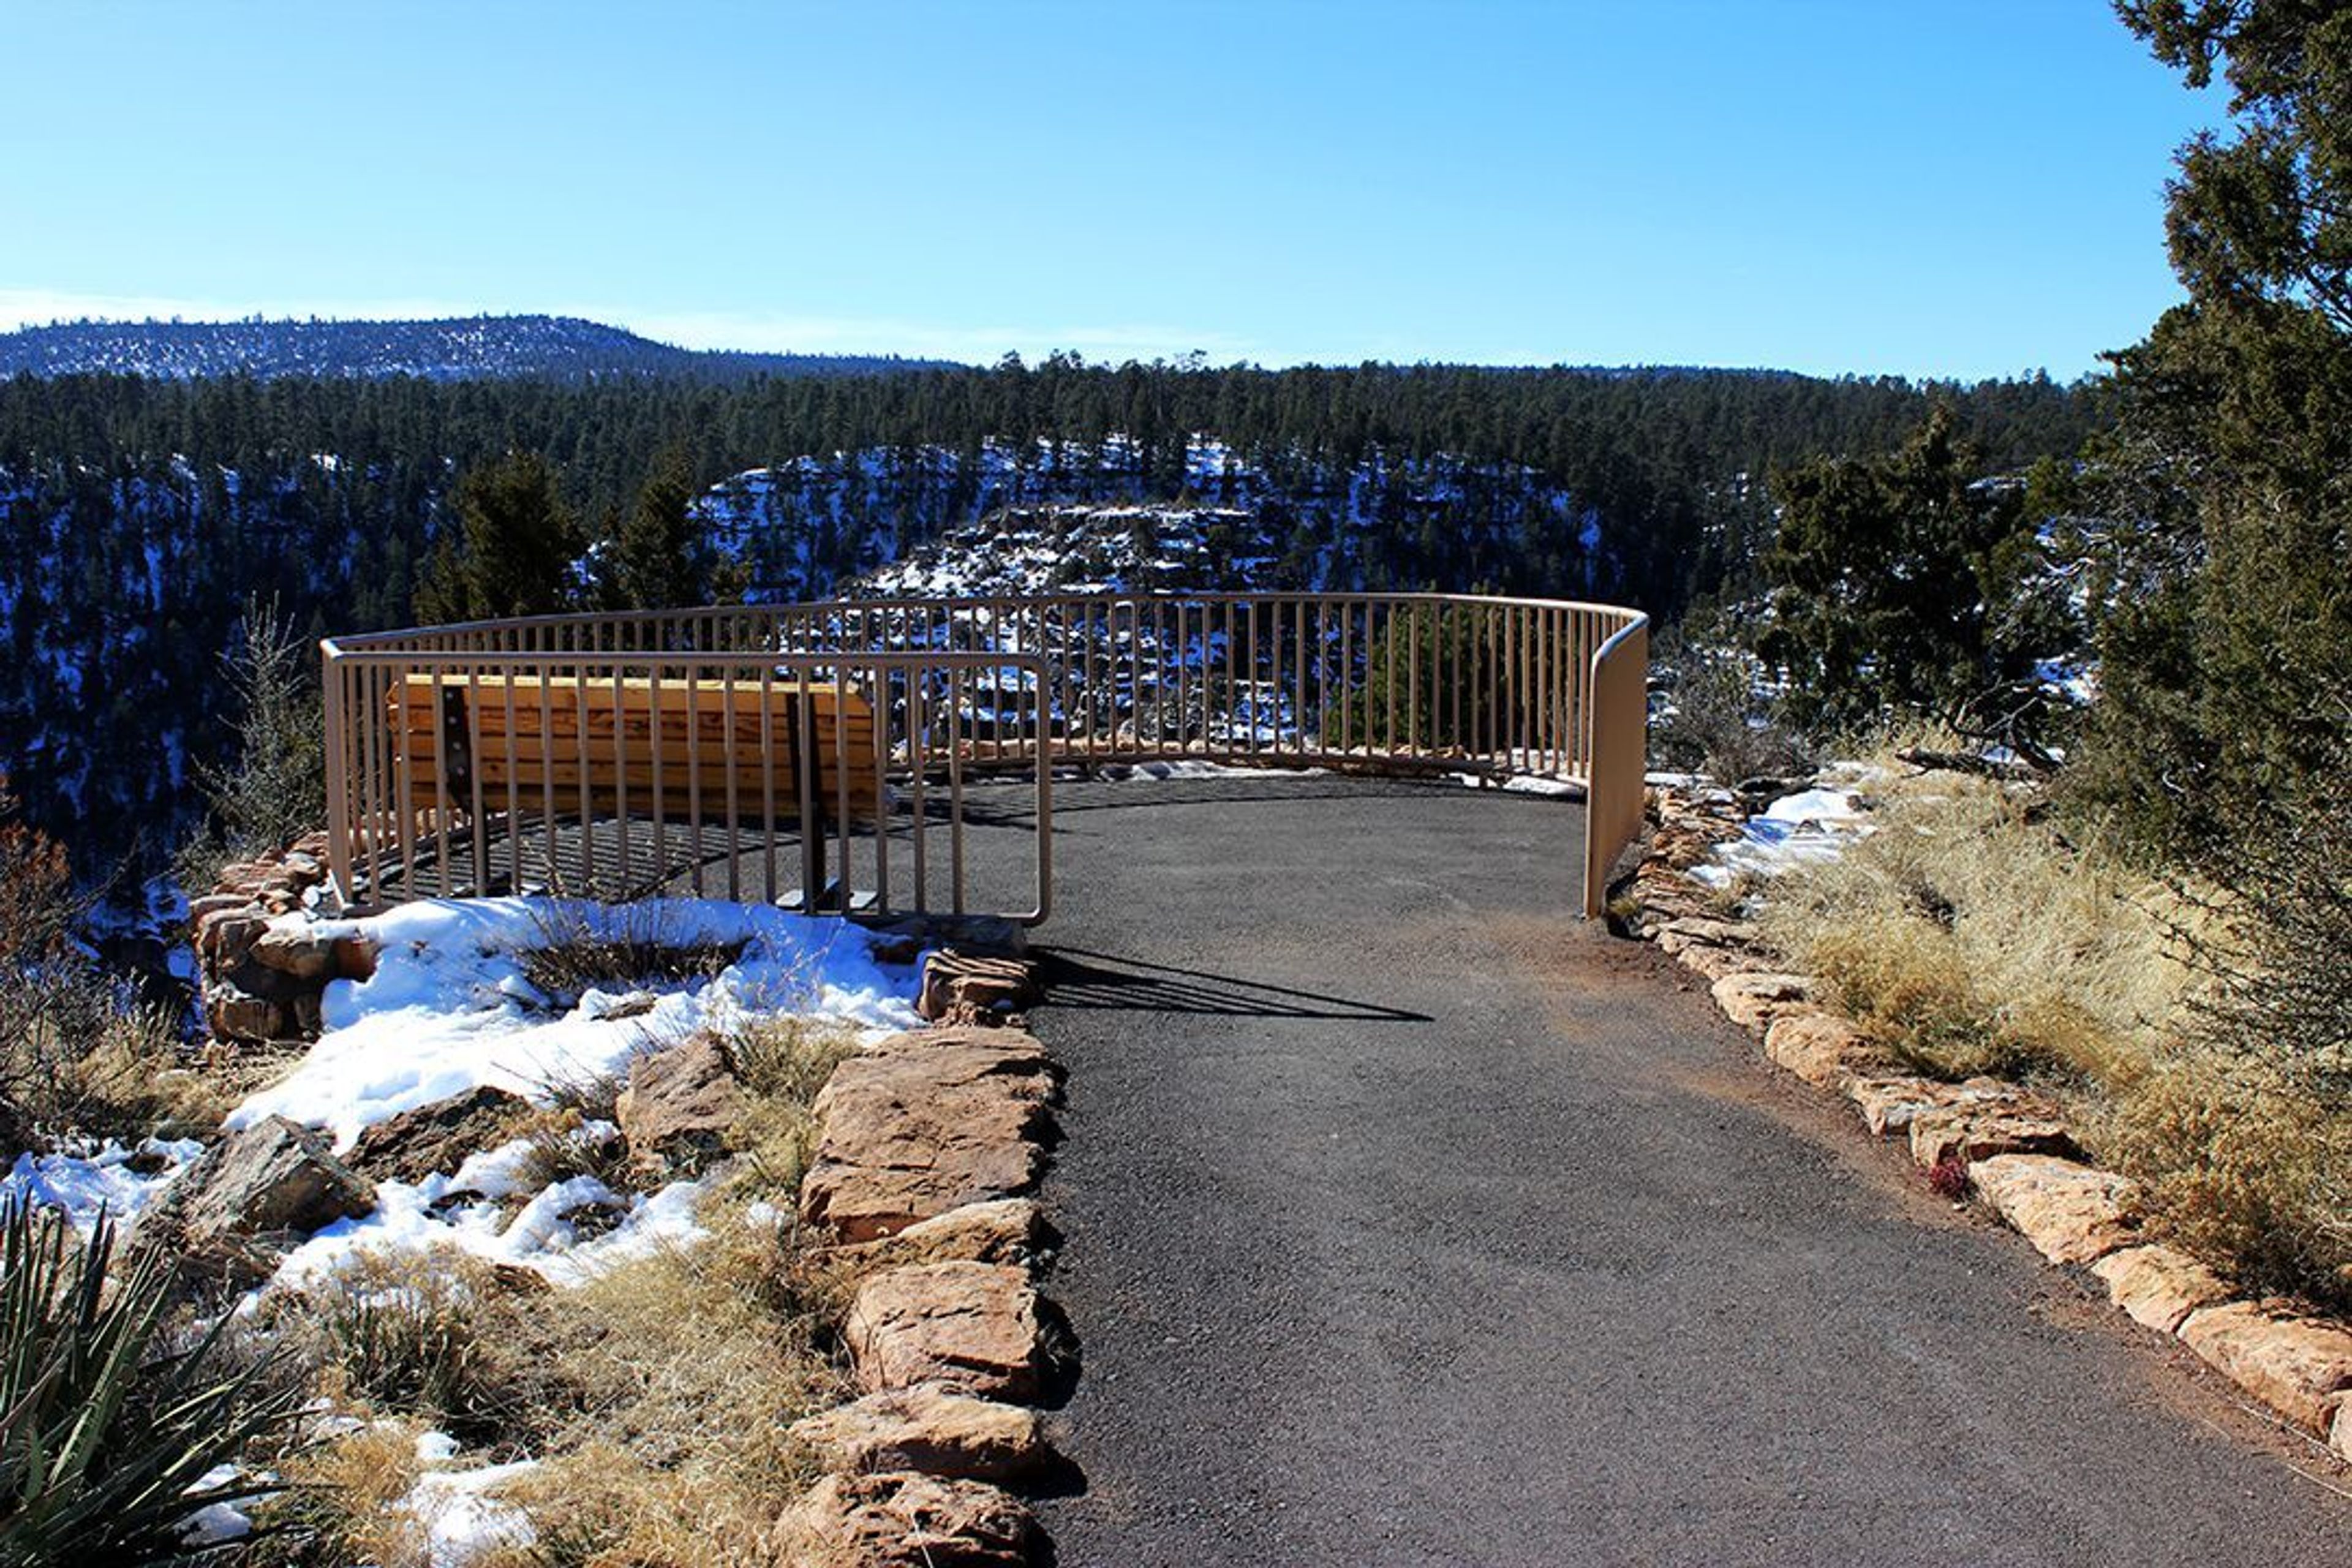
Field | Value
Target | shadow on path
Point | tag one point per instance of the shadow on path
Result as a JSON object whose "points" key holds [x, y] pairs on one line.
{"points": [[1097, 982]]}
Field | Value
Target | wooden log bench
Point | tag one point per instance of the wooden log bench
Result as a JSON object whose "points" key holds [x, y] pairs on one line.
{"points": [[589, 745]]}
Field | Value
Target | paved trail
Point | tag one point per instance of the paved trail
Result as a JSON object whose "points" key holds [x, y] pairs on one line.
{"points": [[1410, 1223]]}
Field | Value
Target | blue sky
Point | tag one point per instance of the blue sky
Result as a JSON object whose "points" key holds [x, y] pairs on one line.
{"points": [[1912, 186]]}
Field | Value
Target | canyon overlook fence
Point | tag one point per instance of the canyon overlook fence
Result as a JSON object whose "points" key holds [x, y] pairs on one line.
{"points": [[837, 755]]}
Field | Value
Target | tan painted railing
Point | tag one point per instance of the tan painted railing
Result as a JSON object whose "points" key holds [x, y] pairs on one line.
{"points": [[621, 752]]}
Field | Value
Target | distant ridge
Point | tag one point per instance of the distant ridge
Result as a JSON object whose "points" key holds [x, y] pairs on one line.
{"points": [[562, 348]]}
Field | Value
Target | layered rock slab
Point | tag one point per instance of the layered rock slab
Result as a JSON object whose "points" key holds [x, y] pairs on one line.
{"points": [[926, 1122], [2070, 1212], [907, 1521], [978, 1329], [2299, 1365], [933, 1429]]}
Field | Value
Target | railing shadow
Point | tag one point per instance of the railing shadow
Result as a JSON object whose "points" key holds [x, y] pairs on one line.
{"points": [[1097, 982]]}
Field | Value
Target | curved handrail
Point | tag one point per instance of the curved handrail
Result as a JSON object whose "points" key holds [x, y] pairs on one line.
{"points": [[1491, 686]]}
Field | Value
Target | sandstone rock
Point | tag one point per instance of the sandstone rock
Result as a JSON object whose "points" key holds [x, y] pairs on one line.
{"points": [[933, 1430], [925, 1123], [1714, 963], [958, 984], [2071, 1213], [436, 1138], [1012, 1231], [295, 948], [680, 1104], [2298, 1364], [213, 904], [1755, 1001], [2157, 1286], [226, 935], [976, 1328], [1890, 1102], [900, 1520], [1821, 1047], [355, 958], [2340, 1437], [235, 1015], [1973, 1128], [1700, 930], [265, 1186]]}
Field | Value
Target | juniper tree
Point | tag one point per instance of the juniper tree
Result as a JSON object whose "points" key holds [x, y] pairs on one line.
{"points": [[2222, 645]]}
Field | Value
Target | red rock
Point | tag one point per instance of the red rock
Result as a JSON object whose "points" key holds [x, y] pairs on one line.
{"points": [[933, 1430]]}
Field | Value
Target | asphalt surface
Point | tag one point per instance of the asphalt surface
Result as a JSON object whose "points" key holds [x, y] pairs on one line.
{"points": [[1410, 1222]]}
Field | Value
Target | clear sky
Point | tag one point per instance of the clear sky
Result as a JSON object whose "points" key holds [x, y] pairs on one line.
{"points": [[1961, 187]]}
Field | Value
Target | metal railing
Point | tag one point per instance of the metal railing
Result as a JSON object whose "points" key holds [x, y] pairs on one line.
{"points": [[1491, 688]]}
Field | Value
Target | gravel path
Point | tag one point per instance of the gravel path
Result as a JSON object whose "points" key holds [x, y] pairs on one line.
{"points": [[1410, 1222]]}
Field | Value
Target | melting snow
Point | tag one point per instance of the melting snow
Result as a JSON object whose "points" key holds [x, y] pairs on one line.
{"points": [[449, 1007], [115, 1180]]}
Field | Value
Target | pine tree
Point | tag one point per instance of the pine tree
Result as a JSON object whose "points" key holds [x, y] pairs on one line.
{"points": [[660, 557], [515, 550], [1903, 585]]}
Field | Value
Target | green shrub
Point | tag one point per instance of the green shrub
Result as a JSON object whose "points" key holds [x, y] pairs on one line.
{"points": [[105, 1431]]}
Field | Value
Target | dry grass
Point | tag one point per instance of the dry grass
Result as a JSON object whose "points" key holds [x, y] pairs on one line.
{"points": [[338, 1505], [657, 1397], [783, 1060], [1970, 937], [77, 1061], [662, 1392], [634, 945]]}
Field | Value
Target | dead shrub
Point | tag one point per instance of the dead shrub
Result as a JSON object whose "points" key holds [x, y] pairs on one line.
{"points": [[1720, 721], [337, 1507], [2241, 1167], [578, 947], [81, 1056], [80, 1060]]}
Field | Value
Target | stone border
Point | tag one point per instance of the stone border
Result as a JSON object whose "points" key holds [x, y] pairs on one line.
{"points": [[930, 1146], [2009, 1146]]}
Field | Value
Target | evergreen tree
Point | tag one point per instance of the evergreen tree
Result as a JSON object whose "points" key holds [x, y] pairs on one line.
{"points": [[1907, 585], [2228, 651], [660, 558], [515, 550]]}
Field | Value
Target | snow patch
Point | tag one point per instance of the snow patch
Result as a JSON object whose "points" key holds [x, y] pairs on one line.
{"points": [[115, 1180]]}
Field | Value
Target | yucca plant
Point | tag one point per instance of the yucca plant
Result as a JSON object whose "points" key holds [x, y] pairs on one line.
{"points": [[106, 1432]]}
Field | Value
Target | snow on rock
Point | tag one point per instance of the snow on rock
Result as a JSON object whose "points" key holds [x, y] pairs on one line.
{"points": [[114, 1180], [216, 1523], [545, 1234], [449, 1007], [1804, 828]]}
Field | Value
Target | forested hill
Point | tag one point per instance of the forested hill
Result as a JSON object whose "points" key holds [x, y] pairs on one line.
{"points": [[562, 347], [137, 515]]}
